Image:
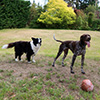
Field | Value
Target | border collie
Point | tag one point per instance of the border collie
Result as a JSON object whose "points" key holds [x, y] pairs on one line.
{"points": [[29, 47]]}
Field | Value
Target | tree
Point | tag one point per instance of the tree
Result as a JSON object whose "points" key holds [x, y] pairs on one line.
{"points": [[57, 15], [90, 18], [14, 13], [90, 8], [71, 2], [86, 3], [35, 12], [82, 4]]}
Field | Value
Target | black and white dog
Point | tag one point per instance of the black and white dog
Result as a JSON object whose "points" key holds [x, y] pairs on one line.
{"points": [[29, 47]]}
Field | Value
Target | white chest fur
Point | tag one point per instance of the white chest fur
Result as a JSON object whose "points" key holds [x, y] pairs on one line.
{"points": [[35, 48]]}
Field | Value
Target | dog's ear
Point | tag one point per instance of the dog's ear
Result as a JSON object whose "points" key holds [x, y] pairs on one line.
{"points": [[81, 37], [32, 38]]}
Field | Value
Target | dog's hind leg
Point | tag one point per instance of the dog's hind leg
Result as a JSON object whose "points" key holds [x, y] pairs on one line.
{"points": [[16, 53], [65, 54], [73, 60], [20, 56], [59, 53], [16, 56]]}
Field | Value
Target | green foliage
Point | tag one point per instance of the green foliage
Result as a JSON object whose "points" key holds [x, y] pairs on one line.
{"points": [[85, 3], [87, 20], [90, 8], [55, 14], [90, 18], [58, 15], [80, 4], [35, 12], [14, 13], [96, 24], [81, 23]]}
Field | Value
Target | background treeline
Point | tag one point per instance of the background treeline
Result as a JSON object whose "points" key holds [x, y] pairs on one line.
{"points": [[57, 14], [14, 13]]}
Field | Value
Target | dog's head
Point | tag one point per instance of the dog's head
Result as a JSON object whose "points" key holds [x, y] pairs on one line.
{"points": [[37, 41], [85, 39]]}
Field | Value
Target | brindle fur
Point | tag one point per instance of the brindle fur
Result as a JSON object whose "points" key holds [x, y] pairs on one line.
{"points": [[77, 47]]}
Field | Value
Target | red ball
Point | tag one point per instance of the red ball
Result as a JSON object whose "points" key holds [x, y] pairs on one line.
{"points": [[87, 85]]}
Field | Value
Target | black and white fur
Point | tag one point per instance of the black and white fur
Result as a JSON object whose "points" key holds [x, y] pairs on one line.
{"points": [[29, 47]]}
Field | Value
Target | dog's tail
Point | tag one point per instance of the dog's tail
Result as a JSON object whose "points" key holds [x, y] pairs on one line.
{"points": [[56, 39], [10, 45]]}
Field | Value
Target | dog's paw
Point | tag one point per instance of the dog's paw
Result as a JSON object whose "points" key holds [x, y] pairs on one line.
{"points": [[53, 65], [33, 61], [21, 60], [72, 72], [16, 60], [63, 65], [29, 62], [83, 72]]}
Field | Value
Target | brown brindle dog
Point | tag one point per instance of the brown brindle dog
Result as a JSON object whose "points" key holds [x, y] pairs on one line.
{"points": [[77, 47]]}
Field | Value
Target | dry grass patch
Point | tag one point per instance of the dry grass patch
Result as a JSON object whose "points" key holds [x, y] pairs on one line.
{"points": [[41, 81]]}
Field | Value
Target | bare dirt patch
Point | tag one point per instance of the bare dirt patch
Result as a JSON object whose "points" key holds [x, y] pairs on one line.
{"points": [[11, 71], [58, 74]]}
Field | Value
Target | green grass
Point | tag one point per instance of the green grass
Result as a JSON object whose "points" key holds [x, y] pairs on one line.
{"points": [[41, 81], [30, 89], [73, 86]]}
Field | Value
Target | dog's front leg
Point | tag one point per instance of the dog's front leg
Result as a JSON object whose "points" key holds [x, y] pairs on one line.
{"points": [[33, 59], [82, 63], [73, 60], [28, 57]]}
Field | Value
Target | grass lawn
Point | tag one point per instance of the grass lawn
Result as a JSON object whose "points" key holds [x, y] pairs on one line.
{"points": [[41, 81]]}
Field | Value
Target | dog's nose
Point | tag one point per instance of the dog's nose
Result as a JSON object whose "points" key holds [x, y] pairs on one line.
{"points": [[89, 39]]}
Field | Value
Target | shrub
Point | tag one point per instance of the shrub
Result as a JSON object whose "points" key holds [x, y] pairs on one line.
{"points": [[58, 15], [96, 24], [90, 8], [14, 13], [35, 12], [81, 23], [90, 18]]}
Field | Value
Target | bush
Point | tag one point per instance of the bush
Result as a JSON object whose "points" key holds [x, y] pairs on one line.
{"points": [[35, 12], [34, 24], [96, 24], [14, 13], [90, 19], [81, 23], [57, 15], [90, 8]]}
